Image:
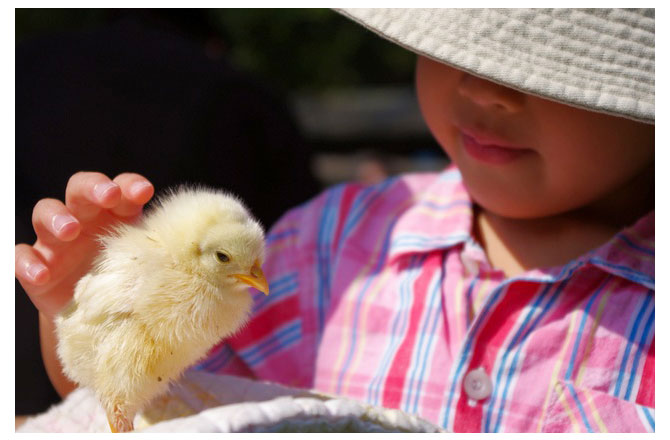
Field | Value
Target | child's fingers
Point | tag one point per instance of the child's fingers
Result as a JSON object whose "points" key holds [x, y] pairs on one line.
{"points": [[29, 268], [88, 192], [136, 191], [37, 280], [53, 222]]}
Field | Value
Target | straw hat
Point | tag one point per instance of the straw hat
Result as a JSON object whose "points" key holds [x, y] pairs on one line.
{"points": [[598, 59]]}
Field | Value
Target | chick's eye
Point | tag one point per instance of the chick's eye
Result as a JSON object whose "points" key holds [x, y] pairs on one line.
{"points": [[222, 257]]}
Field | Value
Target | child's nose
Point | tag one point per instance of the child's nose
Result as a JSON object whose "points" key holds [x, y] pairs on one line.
{"points": [[488, 94]]}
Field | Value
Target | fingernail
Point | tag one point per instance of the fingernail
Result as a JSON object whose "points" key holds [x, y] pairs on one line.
{"points": [[138, 187], [101, 189], [35, 270], [60, 221]]}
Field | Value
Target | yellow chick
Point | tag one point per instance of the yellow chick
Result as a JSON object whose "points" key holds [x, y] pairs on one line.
{"points": [[160, 295]]}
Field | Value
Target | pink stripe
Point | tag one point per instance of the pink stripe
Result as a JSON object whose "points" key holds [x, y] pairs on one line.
{"points": [[396, 377], [646, 393]]}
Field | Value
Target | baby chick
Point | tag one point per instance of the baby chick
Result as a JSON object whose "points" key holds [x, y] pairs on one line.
{"points": [[160, 295]]}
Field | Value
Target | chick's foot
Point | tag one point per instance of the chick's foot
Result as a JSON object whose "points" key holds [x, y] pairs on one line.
{"points": [[119, 420]]}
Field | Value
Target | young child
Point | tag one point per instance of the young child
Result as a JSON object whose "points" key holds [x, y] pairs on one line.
{"points": [[512, 292]]}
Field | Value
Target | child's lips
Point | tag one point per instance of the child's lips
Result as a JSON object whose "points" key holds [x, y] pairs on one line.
{"points": [[489, 150]]}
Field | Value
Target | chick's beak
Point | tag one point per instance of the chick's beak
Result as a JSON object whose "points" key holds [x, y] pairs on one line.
{"points": [[255, 278]]}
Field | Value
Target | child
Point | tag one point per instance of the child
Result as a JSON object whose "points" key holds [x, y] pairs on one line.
{"points": [[512, 292]]}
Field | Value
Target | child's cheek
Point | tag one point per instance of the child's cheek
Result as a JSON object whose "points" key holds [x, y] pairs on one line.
{"points": [[436, 86]]}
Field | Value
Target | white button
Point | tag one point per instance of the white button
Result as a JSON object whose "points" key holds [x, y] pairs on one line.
{"points": [[477, 384]]}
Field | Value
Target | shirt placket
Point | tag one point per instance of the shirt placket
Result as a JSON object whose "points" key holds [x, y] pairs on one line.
{"points": [[471, 381], [481, 278]]}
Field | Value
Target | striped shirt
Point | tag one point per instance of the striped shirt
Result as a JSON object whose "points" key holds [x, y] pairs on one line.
{"points": [[381, 294]]}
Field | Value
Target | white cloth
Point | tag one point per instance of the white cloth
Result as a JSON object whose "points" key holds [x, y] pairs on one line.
{"points": [[204, 402]]}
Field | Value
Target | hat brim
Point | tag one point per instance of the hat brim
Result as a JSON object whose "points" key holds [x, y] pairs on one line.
{"points": [[597, 59]]}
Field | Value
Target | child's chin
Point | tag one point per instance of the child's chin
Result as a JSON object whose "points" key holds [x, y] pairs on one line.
{"points": [[504, 199], [510, 208]]}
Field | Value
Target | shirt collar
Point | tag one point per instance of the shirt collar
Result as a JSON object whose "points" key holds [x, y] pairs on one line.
{"points": [[630, 253], [439, 217]]}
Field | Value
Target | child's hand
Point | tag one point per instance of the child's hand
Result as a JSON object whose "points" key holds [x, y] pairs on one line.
{"points": [[66, 244]]}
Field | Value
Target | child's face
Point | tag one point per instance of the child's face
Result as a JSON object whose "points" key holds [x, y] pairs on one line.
{"points": [[526, 157]]}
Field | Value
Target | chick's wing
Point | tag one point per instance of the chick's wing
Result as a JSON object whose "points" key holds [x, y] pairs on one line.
{"points": [[99, 297], [122, 274]]}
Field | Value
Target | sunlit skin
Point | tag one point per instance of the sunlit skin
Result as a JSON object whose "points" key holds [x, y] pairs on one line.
{"points": [[562, 180]]}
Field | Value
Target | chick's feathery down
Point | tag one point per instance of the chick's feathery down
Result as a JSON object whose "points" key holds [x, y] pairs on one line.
{"points": [[159, 296]]}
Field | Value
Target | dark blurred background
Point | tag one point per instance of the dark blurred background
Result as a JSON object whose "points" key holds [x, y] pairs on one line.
{"points": [[272, 104]]}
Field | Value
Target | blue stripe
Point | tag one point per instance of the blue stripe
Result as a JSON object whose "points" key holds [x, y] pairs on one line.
{"points": [[259, 352], [359, 299], [435, 303], [362, 203], [631, 338], [468, 297], [626, 272], [405, 244], [579, 407], [636, 246], [221, 362], [585, 315], [650, 418], [292, 276], [276, 336], [519, 339], [281, 290], [278, 236], [399, 326], [275, 296], [289, 341], [323, 246], [214, 358], [278, 291], [642, 344]]}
